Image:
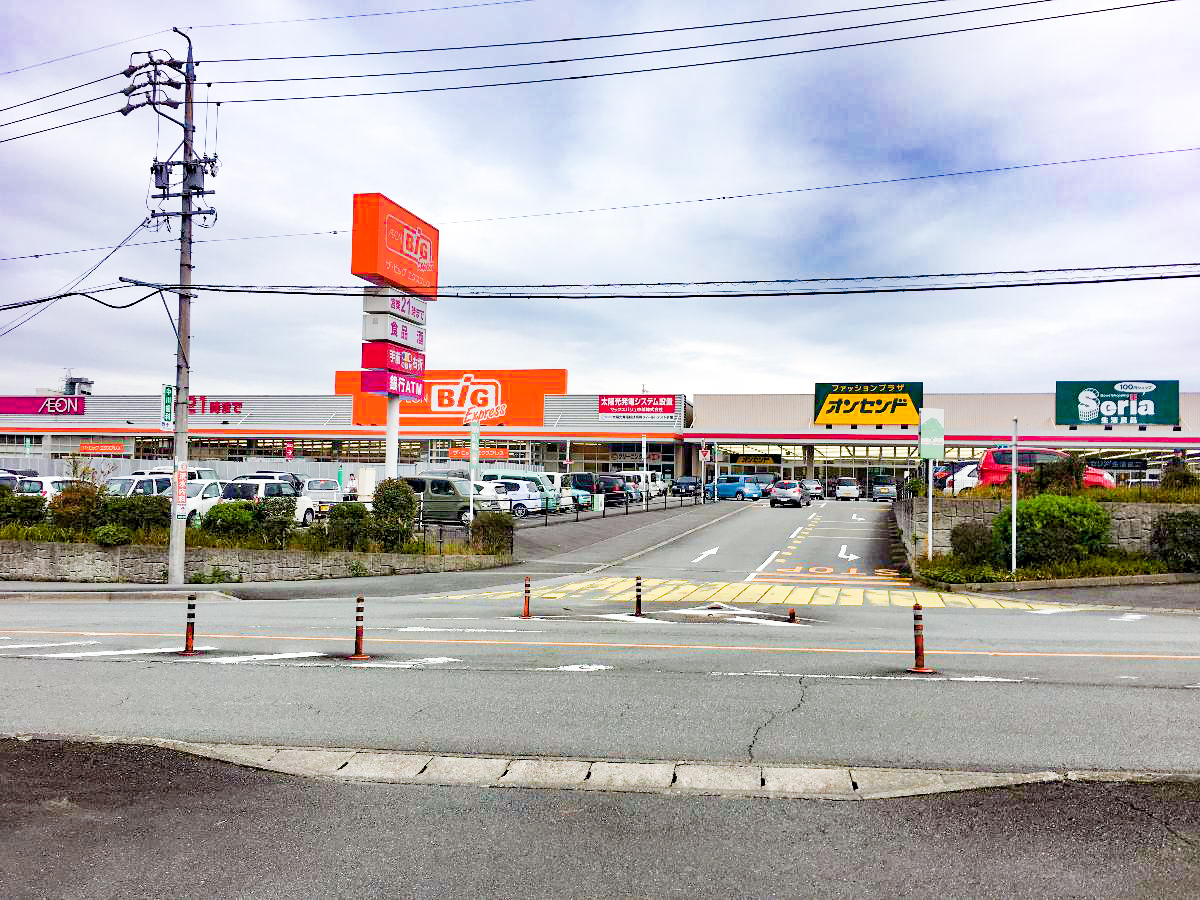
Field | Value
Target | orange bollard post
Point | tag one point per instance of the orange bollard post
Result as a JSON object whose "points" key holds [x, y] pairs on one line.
{"points": [[189, 633], [919, 644], [358, 630], [637, 598], [525, 614]]}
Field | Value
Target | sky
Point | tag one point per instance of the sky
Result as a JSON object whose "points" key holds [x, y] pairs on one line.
{"points": [[504, 172]]}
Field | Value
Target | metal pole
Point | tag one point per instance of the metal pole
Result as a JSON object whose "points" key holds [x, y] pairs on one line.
{"points": [[391, 451], [176, 548], [1015, 476], [929, 503]]}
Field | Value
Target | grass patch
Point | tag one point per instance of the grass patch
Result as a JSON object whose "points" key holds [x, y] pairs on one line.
{"points": [[951, 569]]}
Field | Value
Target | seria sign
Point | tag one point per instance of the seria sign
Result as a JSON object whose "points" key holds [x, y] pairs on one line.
{"points": [[1116, 403]]}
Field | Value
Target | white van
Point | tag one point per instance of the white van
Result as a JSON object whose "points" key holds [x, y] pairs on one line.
{"points": [[651, 484]]}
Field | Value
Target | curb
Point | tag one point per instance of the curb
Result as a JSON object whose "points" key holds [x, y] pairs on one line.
{"points": [[52, 596], [667, 778]]}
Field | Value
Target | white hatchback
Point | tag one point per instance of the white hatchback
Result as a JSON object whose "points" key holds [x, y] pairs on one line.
{"points": [[846, 489], [202, 495]]}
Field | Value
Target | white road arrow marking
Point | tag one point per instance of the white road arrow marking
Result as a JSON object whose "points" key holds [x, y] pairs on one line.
{"points": [[706, 553], [857, 518], [577, 668], [849, 557]]}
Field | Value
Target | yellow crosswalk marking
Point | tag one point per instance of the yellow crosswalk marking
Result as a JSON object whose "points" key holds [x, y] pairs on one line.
{"points": [[878, 597], [957, 601], [753, 593], [850, 597], [728, 593], [622, 584], [983, 603], [825, 596], [929, 598], [777, 593]]}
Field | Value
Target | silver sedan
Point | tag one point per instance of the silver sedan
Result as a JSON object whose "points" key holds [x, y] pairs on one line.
{"points": [[789, 493]]}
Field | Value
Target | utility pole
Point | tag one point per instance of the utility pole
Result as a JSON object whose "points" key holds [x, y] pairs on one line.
{"points": [[193, 171]]}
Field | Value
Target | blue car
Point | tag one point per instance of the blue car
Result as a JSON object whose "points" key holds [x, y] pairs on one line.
{"points": [[737, 487]]}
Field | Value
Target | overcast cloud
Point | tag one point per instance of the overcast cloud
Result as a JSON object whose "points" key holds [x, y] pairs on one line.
{"points": [[1100, 85]]}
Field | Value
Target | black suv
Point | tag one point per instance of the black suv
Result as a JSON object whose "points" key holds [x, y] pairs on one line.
{"points": [[685, 486], [613, 489]]}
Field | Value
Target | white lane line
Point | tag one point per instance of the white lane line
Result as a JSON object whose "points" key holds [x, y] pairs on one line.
{"points": [[115, 652], [792, 536], [825, 503], [260, 656], [766, 674], [811, 516], [410, 664], [1128, 617], [629, 617], [576, 668], [766, 562], [4, 647], [458, 630], [706, 553]]}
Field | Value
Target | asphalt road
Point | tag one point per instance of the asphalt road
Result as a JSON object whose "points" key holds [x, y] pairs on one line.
{"points": [[1021, 686], [80, 821]]}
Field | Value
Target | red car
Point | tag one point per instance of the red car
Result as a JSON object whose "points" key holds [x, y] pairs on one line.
{"points": [[996, 466]]}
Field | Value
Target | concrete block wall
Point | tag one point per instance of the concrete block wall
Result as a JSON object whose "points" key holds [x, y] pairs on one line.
{"points": [[1131, 523], [29, 561]]}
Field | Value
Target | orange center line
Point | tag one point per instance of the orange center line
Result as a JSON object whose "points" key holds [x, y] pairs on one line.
{"points": [[628, 646]]}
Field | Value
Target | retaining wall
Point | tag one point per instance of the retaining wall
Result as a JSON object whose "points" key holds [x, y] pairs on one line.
{"points": [[30, 561], [1130, 526]]}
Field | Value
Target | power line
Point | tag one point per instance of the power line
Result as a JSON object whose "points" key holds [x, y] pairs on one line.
{"points": [[576, 39], [56, 127], [397, 12], [694, 65], [629, 53], [252, 237], [57, 93], [47, 62], [59, 109]]}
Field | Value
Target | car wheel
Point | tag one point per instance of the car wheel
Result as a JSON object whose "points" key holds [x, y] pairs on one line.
{"points": [[464, 516], [519, 511], [773, 504], [739, 496], [308, 518]]}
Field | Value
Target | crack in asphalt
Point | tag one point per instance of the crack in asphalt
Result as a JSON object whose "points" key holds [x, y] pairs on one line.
{"points": [[775, 716], [1195, 845]]}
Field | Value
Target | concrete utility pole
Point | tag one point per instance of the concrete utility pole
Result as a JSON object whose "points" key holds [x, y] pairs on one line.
{"points": [[193, 169]]}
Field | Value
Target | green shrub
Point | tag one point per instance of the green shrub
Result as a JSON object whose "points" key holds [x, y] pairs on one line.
{"points": [[1179, 478], [393, 509], [216, 575], [348, 524], [952, 570], [492, 532], [231, 520], [1175, 539], [973, 542], [1062, 477], [22, 509], [112, 536], [77, 507], [276, 518], [1053, 529], [40, 532], [314, 539], [137, 512]]}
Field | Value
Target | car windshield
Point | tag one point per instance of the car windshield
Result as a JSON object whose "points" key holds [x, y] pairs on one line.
{"points": [[847, 482], [811, 482], [118, 485], [243, 490], [462, 486], [686, 479], [194, 488], [785, 484]]}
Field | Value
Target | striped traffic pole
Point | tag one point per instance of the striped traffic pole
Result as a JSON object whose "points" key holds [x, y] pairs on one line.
{"points": [[358, 630], [525, 614], [637, 598], [189, 632], [919, 644]]}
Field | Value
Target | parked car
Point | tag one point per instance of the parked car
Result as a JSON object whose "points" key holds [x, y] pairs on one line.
{"points": [[789, 493], [813, 487], [883, 488], [582, 498], [542, 486], [491, 496], [996, 466], [202, 495], [138, 486], [964, 479], [686, 486], [517, 497], [765, 481], [258, 489], [325, 492], [614, 489], [737, 487], [846, 489], [295, 481], [646, 482], [46, 485], [442, 499], [200, 472], [586, 481], [9, 480]]}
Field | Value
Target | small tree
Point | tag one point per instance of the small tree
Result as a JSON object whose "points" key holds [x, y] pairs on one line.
{"points": [[77, 507], [348, 526], [393, 510], [1053, 529]]}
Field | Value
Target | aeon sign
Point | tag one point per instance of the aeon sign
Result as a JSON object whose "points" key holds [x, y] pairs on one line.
{"points": [[42, 406]]}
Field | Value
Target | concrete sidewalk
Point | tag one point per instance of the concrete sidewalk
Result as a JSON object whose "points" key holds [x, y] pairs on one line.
{"points": [[1184, 597]]}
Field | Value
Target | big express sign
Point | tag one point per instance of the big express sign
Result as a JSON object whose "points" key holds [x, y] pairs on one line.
{"points": [[451, 393], [391, 247], [868, 403]]}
